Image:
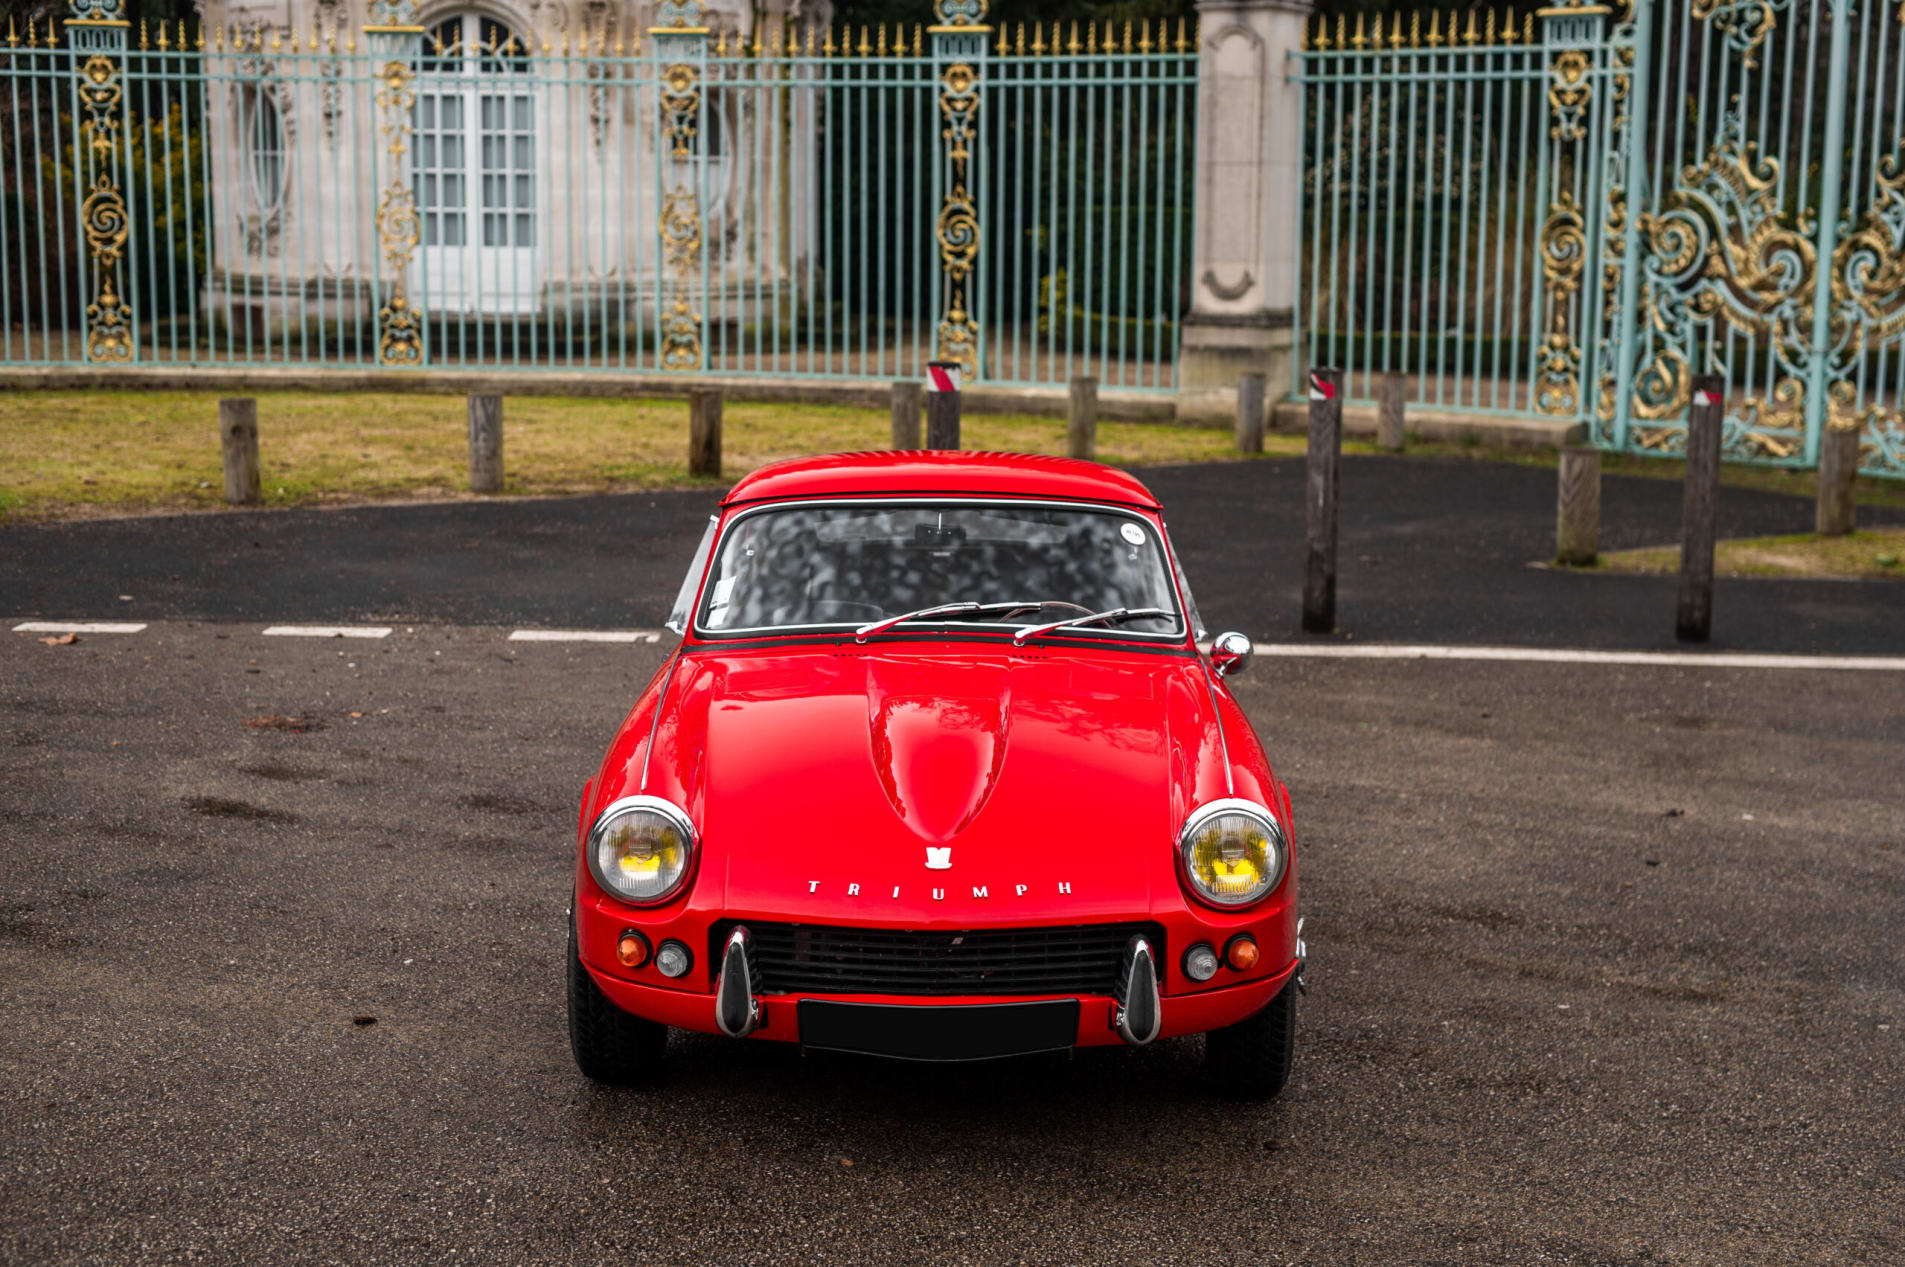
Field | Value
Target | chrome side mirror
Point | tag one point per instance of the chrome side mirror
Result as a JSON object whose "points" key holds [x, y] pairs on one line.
{"points": [[1230, 653]]}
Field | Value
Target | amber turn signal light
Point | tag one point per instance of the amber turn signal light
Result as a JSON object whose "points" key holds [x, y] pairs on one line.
{"points": [[1241, 954], [632, 949]]}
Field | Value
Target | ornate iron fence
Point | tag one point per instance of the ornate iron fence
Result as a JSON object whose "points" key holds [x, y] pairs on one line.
{"points": [[1570, 212], [779, 202]]}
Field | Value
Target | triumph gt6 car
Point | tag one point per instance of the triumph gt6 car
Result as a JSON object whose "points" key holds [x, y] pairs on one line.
{"points": [[945, 767]]}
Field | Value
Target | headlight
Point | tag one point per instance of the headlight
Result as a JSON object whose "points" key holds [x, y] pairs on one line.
{"points": [[640, 848], [1233, 852]]}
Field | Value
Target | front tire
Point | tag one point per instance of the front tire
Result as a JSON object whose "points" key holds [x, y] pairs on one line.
{"points": [[610, 1046], [1252, 1058]]}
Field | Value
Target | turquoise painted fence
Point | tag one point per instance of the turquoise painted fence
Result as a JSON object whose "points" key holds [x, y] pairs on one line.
{"points": [[1570, 211], [834, 204]]}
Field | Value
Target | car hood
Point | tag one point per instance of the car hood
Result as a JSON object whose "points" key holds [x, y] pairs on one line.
{"points": [[938, 788]]}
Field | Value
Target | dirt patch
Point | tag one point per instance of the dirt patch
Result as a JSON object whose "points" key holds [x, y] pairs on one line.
{"points": [[223, 807], [501, 803], [278, 772]]}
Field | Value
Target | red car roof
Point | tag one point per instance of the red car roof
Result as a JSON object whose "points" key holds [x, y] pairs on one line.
{"points": [[886, 472]]}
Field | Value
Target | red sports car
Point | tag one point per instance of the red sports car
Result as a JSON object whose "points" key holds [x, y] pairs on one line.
{"points": [[941, 771]]}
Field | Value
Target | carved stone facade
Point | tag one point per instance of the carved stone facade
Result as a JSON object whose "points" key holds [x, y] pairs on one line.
{"points": [[527, 134]]}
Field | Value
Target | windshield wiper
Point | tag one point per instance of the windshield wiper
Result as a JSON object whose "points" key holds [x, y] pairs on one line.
{"points": [[1116, 613], [944, 609]]}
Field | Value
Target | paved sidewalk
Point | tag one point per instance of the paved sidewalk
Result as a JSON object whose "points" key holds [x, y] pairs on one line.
{"points": [[1432, 551]]}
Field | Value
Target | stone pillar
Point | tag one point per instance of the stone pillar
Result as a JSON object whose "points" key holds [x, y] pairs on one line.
{"points": [[1248, 187]]}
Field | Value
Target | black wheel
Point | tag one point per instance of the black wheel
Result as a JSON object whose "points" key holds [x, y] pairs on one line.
{"points": [[609, 1045], [1252, 1058]]}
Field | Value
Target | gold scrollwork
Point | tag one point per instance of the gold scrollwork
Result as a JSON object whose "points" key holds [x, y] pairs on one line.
{"points": [[681, 228], [1745, 23], [680, 104], [1563, 262], [102, 215], [1569, 94], [400, 338], [958, 225], [681, 251]]}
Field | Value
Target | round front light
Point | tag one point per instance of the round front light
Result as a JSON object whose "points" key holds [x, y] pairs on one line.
{"points": [[639, 849], [673, 959], [1233, 853]]}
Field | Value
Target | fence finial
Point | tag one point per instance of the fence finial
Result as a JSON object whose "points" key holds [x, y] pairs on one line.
{"points": [[1322, 41], [1019, 44], [1359, 40], [1508, 27], [1435, 37], [1491, 26], [1395, 34], [1528, 27], [1470, 36], [882, 45], [1342, 27]]}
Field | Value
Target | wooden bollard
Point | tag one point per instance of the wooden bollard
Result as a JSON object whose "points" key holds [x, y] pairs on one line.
{"points": [[1836, 513], [1250, 413], [1577, 513], [1389, 414], [238, 437], [486, 443], [942, 404], [1325, 467], [1081, 432], [1693, 618], [704, 431], [906, 409]]}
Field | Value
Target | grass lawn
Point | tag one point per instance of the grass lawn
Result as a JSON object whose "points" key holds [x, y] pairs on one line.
{"points": [[1877, 553], [66, 454]]}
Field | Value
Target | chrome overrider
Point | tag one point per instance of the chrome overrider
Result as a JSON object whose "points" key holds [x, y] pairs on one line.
{"points": [[736, 1010], [1302, 958], [1140, 1013]]}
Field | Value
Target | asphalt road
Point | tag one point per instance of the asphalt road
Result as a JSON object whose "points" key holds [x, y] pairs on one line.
{"points": [[1607, 970], [1432, 551]]}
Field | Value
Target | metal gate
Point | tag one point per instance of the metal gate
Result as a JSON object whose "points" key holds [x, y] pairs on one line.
{"points": [[701, 193], [1569, 212]]}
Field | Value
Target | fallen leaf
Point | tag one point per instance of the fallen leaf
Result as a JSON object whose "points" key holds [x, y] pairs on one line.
{"points": [[363, 1020], [292, 725], [61, 640], [356, 714]]}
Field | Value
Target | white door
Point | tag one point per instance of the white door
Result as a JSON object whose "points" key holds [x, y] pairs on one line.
{"points": [[474, 170]]}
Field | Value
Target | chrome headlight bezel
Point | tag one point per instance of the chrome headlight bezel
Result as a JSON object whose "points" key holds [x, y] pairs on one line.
{"points": [[667, 811], [1217, 809]]}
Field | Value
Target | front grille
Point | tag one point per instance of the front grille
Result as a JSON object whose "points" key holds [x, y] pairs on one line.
{"points": [[815, 959]]}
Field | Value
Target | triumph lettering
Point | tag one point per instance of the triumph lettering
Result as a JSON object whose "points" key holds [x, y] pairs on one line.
{"points": [[979, 890]]}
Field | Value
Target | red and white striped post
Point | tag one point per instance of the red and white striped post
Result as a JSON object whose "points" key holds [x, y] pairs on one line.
{"points": [[942, 404]]}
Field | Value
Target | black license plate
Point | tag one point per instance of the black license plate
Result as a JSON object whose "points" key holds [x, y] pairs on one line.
{"points": [[959, 1031]]}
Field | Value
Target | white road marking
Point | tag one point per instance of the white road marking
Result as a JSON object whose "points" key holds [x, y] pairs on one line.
{"points": [[327, 631], [79, 626], [1544, 655], [586, 635]]}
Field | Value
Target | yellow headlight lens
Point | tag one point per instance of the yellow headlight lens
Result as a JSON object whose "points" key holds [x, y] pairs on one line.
{"points": [[1233, 858], [640, 854]]}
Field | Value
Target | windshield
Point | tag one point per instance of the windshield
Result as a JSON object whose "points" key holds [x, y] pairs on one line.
{"points": [[855, 563]]}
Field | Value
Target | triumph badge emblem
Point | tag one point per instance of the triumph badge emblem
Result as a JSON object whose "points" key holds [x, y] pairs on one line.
{"points": [[939, 859]]}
